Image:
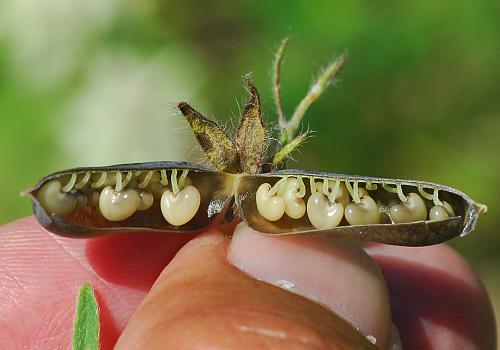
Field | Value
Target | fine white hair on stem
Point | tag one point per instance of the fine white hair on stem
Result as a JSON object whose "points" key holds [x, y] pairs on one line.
{"points": [[278, 61], [325, 78], [288, 139]]}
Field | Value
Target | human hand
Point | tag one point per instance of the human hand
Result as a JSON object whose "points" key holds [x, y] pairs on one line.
{"points": [[202, 299]]}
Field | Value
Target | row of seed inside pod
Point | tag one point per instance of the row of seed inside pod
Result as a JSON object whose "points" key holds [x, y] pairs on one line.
{"points": [[118, 197], [331, 200]]}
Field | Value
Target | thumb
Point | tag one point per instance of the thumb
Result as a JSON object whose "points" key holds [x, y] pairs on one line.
{"points": [[203, 299]]}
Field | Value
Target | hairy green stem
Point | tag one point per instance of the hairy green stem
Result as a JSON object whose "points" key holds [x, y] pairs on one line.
{"points": [[278, 60], [289, 147], [322, 82]]}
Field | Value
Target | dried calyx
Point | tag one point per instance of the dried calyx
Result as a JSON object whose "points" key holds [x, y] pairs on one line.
{"points": [[246, 152]]}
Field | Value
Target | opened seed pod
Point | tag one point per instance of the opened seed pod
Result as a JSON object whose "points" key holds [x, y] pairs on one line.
{"points": [[245, 183]]}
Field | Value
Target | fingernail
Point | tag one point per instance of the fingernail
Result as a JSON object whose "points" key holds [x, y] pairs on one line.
{"points": [[332, 272]]}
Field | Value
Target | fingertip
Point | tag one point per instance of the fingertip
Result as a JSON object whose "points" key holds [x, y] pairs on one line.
{"points": [[202, 301], [336, 273]]}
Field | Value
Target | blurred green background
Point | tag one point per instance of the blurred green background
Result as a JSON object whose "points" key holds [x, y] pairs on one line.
{"points": [[95, 82]]}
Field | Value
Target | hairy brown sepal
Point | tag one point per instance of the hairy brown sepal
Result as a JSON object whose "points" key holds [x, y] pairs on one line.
{"points": [[250, 138], [220, 149]]}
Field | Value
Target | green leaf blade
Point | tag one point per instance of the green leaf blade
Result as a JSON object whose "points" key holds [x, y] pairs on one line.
{"points": [[86, 327]]}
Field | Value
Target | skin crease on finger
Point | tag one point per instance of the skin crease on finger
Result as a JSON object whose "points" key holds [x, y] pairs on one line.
{"points": [[200, 301]]}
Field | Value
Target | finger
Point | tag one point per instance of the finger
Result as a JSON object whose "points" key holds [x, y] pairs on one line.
{"points": [[41, 274], [438, 302], [337, 273], [201, 300]]}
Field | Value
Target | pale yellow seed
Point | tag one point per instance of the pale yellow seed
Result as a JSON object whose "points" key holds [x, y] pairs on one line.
{"points": [[270, 206], [322, 213], [366, 212], [178, 209], [289, 191], [441, 212], [118, 206], [146, 200], [412, 210], [54, 201]]}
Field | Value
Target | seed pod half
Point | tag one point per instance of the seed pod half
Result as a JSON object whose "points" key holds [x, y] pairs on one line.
{"points": [[127, 197], [386, 194]]}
